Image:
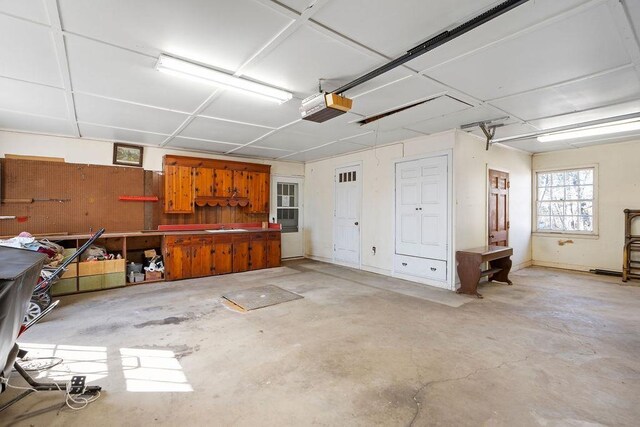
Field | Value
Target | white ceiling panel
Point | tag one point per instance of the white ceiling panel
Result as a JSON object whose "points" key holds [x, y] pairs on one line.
{"points": [[125, 135], [583, 94], [28, 52], [435, 108], [298, 5], [583, 44], [520, 18], [512, 129], [586, 116], [116, 73], [260, 152], [455, 120], [32, 98], [339, 127], [394, 95], [222, 33], [306, 56], [199, 145], [287, 139], [233, 105], [534, 146], [389, 77], [218, 130], [33, 10], [393, 27], [376, 138], [91, 109], [633, 9], [10, 120], [334, 149]]}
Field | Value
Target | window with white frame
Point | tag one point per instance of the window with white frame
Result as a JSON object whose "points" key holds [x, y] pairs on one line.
{"points": [[287, 206], [566, 200]]}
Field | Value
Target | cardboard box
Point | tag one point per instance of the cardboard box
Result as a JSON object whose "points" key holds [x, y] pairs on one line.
{"points": [[92, 268], [72, 271], [64, 286], [153, 275]]}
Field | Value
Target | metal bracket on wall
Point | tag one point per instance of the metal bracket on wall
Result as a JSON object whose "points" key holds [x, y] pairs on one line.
{"points": [[488, 127]]}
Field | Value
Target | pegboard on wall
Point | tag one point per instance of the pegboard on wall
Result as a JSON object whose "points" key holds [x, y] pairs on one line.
{"points": [[93, 192]]}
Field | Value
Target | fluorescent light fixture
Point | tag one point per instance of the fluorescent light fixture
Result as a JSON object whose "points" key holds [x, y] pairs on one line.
{"points": [[606, 129], [178, 67]]}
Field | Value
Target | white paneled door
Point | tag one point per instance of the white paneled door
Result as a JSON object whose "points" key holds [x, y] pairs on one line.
{"points": [[421, 208], [346, 221]]}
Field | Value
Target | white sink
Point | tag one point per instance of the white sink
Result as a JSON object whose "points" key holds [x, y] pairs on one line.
{"points": [[225, 231]]}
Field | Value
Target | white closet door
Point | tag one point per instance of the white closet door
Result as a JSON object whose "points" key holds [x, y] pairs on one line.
{"points": [[347, 215], [421, 208]]}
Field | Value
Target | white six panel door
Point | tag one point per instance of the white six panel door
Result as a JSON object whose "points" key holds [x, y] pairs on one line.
{"points": [[421, 208], [347, 216]]}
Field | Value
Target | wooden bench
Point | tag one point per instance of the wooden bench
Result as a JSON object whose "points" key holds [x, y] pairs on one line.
{"points": [[470, 261]]}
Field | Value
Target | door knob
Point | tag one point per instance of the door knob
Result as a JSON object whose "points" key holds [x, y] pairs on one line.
{"points": [[355, 223]]}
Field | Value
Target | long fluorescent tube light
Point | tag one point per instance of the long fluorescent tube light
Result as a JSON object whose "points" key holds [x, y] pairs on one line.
{"points": [[607, 129], [178, 67]]}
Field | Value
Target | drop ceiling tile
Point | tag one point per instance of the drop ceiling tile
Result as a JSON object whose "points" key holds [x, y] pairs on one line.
{"points": [[392, 28], [28, 52], [588, 115], [535, 146], [287, 139], [200, 145], [32, 98], [223, 131], [400, 93], [340, 127], [32, 10], [10, 120], [520, 18], [221, 33], [125, 135], [633, 8], [377, 138], [298, 5], [455, 120], [335, 149], [232, 105], [306, 56], [435, 108], [105, 70], [580, 95], [260, 152], [101, 111], [583, 44]]}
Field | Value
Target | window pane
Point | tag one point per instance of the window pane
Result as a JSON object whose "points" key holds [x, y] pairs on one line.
{"points": [[544, 193], [571, 223], [586, 208], [571, 208], [557, 193], [586, 176], [586, 192], [572, 178], [544, 223], [544, 209], [557, 223], [544, 179], [557, 178]]}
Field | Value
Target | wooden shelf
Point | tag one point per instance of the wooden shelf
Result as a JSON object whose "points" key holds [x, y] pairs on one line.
{"points": [[221, 201]]}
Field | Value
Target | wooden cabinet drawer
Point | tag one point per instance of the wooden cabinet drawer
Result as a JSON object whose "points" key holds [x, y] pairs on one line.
{"points": [[273, 235], [421, 267], [258, 236], [177, 240], [201, 240]]}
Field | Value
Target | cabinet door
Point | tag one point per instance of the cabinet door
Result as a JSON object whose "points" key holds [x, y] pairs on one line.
{"points": [[258, 192], [223, 257], [201, 257], [273, 250], [241, 183], [258, 251], [203, 182], [223, 183], [240, 254], [178, 189], [177, 262]]}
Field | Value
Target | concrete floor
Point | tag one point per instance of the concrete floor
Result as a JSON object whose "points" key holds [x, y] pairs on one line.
{"points": [[557, 348]]}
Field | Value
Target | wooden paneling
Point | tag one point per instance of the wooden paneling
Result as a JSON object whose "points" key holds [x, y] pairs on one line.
{"points": [[273, 250], [93, 191], [197, 162], [203, 182], [240, 253], [258, 251], [258, 192], [202, 257], [223, 183], [178, 189]]}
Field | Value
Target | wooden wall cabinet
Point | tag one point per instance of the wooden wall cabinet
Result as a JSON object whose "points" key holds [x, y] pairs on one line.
{"points": [[210, 182], [178, 189]]}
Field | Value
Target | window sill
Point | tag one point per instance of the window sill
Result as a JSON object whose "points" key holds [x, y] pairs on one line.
{"points": [[566, 235]]}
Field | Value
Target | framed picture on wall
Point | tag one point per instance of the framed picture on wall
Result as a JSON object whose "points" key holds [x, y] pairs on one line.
{"points": [[127, 155]]}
